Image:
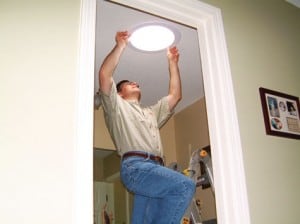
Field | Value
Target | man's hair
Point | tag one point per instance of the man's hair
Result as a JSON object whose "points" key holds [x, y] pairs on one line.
{"points": [[119, 84]]}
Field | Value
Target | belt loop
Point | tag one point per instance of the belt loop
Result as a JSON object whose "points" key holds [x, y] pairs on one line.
{"points": [[148, 156]]}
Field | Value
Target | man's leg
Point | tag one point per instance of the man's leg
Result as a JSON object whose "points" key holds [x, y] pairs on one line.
{"points": [[173, 190], [141, 206]]}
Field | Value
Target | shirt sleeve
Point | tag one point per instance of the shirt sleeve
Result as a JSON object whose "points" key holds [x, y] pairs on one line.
{"points": [[162, 111], [109, 102]]}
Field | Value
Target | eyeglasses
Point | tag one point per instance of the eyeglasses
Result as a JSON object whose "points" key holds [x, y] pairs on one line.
{"points": [[132, 83], [120, 86]]}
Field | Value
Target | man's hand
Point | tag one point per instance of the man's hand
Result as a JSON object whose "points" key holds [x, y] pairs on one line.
{"points": [[173, 54], [122, 38]]}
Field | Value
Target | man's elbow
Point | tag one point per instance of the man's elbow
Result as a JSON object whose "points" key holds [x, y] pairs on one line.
{"points": [[101, 77], [102, 72], [104, 76], [178, 98]]}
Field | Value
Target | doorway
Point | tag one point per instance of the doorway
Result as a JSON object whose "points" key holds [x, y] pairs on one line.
{"points": [[231, 194], [147, 68]]}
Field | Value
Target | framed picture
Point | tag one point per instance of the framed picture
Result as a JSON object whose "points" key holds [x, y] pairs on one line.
{"points": [[281, 113]]}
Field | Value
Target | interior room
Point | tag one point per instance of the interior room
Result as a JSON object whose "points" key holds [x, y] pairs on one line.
{"points": [[186, 132]]}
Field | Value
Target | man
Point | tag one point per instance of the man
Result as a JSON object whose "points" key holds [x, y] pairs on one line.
{"points": [[161, 195]]}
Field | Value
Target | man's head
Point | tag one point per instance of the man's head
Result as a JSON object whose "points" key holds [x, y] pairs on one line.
{"points": [[129, 90], [119, 84]]}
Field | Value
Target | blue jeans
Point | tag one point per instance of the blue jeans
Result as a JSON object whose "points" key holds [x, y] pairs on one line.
{"points": [[161, 195]]}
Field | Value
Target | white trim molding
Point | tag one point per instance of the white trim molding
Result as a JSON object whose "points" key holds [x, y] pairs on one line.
{"points": [[227, 155], [83, 154]]}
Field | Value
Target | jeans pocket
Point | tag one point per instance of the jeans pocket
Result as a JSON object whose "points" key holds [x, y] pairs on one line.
{"points": [[128, 171]]}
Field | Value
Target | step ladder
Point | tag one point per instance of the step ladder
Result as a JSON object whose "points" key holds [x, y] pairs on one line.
{"points": [[198, 157]]}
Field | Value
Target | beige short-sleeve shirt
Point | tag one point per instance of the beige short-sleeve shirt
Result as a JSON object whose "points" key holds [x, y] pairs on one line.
{"points": [[133, 127]]}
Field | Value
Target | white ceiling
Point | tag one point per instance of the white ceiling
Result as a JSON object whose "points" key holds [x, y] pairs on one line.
{"points": [[150, 70], [294, 2]]}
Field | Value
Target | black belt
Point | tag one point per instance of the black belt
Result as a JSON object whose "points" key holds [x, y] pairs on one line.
{"points": [[144, 155]]}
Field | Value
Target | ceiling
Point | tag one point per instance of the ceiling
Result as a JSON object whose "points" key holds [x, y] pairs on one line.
{"points": [[294, 2], [150, 70]]}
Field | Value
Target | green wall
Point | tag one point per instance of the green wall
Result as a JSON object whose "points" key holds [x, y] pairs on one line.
{"points": [[38, 67], [264, 51]]}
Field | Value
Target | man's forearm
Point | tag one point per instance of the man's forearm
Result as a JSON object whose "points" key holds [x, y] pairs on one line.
{"points": [[111, 61], [175, 81], [174, 85], [108, 67]]}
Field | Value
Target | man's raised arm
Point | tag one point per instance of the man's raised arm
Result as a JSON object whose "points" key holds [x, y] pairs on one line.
{"points": [[111, 61], [175, 94]]}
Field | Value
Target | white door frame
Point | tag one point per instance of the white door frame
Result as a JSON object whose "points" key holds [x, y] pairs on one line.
{"points": [[230, 181]]}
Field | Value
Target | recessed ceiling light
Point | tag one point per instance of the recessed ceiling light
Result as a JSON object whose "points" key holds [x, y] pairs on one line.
{"points": [[153, 36]]}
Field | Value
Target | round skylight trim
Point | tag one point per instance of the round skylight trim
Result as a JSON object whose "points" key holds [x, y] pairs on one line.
{"points": [[153, 37]]}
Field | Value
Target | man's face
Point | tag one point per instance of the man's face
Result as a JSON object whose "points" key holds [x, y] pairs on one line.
{"points": [[130, 84], [129, 89]]}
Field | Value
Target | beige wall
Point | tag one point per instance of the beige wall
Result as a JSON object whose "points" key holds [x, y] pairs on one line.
{"points": [[167, 133], [191, 131], [38, 56], [263, 44], [102, 138], [98, 170]]}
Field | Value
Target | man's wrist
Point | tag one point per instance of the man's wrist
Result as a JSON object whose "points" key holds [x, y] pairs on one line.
{"points": [[121, 46], [173, 63]]}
